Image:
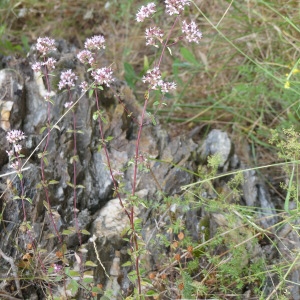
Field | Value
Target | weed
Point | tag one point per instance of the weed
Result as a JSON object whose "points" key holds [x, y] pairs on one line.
{"points": [[223, 261]]}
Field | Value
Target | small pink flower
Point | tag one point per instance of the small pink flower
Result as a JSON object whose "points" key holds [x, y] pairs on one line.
{"points": [[67, 79], [95, 43], [103, 76], [68, 104], [14, 136], [153, 77], [17, 148], [145, 12], [84, 86], [191, 31], [86, 57], [175, 7], [167, 86], [50, 63], [152, 34], [10, 153], [15, 165], [45, 45], [36, 67], [57, 268]]}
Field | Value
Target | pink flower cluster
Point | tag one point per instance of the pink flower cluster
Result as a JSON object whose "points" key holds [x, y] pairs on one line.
{"points": [[13, 137], [45, 45], [67, 80], [49, 63], [68, 104], [153, 77], [191, 31], [103, 76], [86, 57], [95, 43], [145, 12], [173, 7], [152, 34]]}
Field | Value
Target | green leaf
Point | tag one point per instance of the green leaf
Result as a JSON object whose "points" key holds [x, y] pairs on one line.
{"points": [[58, 278], [91, 93], [50, 236], [84, 231], [16, 198], [25, 43], [29, 200], [95, 115], [109, 138], [127, 264], [96, 289], [80, 186], [74, 158], [74, 273], [90, 264], [146, 63], [70, 184], [53, 182], [67, 232], [188, 56], [73, 286], [46, 161], [152, 293], [46, 205], [130, 75], [88, 280], [42, 129], [56, 127]]}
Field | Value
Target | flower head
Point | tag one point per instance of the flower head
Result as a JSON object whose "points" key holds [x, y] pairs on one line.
{"points": [[175, 7], [36, 67], [17, 148], [86, 56], [103, 76], [67, 79], [167, 86], [84, 86], [16, 165], [14, 136], [152, 34], [68, 104], [45, 45], [95, 43], [57, 268], [50, 63], [153, 77], [145, 12], [191, 31]]}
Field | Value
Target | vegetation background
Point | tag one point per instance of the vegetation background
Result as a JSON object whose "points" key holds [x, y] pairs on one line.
{"points": [[242, 78]]}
